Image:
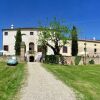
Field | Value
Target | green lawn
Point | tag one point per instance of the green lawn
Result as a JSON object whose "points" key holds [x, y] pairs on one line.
{"points": [[10, 80], [83, 79]]}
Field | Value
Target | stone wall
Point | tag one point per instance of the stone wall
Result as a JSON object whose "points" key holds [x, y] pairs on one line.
{"points": [[96, 59], [70, 60], [3, 58]]}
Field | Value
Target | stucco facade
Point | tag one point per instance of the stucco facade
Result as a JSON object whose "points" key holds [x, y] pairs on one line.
{"points": [[31, 36]]}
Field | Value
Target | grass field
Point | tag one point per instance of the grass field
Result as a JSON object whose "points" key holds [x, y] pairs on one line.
{"points": [[10, 80], [83, 79]]}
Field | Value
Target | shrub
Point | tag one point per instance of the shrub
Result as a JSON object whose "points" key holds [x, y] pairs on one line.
{"points": [[52, 59], [61, 59], [77, 60], [92, 62]]}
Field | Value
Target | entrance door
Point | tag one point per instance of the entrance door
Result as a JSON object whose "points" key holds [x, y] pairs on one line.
{"points": [[31, 58]]}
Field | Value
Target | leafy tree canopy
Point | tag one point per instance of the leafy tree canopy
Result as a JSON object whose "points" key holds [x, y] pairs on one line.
{"points": [[54, 35]]}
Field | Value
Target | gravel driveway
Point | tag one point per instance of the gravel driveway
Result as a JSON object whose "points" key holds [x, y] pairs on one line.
{"points": [[42, 85]]}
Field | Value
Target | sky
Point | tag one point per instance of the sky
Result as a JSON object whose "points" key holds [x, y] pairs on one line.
{"points": [[84, 14]]}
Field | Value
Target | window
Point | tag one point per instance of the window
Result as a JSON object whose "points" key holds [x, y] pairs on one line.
{"points": [[39, 48], [6, 33], [94, 44], [95, 50], [85, 49], [31, 33], [6, 47], [30, 48], [64, 49], [84, 43]]}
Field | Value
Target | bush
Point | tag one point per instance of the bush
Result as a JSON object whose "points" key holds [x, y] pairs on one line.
{"points": [[52, 59], [61, 59], [77, 60], [91, 62]]}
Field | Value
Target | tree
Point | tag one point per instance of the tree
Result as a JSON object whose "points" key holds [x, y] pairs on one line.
{"points": [[44, 51], [54, 35], [74, 37], [18, 40]]}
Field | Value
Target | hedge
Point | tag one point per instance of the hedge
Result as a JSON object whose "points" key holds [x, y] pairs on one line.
{"points": [[52, 59]]}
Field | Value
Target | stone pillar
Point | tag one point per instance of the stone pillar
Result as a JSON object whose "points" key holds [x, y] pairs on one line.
{"points": [[22, 52]]}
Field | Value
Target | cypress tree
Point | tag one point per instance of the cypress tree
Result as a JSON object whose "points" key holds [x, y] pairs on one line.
{"points": [[74, 36], [18, 40]]}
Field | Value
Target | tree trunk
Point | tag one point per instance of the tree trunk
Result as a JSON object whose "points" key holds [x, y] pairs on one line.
{"points": [[55, 49]]}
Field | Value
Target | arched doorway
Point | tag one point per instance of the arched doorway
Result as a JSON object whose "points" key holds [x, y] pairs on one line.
{"points": [[31, 46], [31, 59]]}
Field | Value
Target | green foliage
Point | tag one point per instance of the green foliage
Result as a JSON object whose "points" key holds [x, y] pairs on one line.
{"points": [[74, 41], [55, 31], [44, 50], [18, 40], [92, 62], [52, 59], [77, 60], [10, 80]]}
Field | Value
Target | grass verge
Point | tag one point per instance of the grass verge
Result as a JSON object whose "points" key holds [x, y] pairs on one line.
{"points": [[11, 78], [84, 79]]}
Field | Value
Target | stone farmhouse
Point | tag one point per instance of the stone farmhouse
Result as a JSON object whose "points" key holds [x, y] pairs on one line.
{"points": [[30, 37]]}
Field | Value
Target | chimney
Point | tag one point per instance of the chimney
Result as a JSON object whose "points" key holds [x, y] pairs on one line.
{"points": [[12, 26]]}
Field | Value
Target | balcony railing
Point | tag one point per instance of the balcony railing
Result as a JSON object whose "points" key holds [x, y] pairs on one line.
{"points": [[31, 52]]}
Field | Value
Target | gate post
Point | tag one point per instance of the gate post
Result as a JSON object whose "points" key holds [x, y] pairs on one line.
{"points": [[22, 52]]}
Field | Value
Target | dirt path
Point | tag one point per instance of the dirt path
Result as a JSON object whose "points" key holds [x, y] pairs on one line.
{"points": [[42, 85]]}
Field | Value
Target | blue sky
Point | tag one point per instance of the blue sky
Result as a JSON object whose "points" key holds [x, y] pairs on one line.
{"points": [[85, 14]]}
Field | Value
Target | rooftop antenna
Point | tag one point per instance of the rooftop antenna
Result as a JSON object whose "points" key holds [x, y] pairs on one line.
{"points": [[12, 26]]}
